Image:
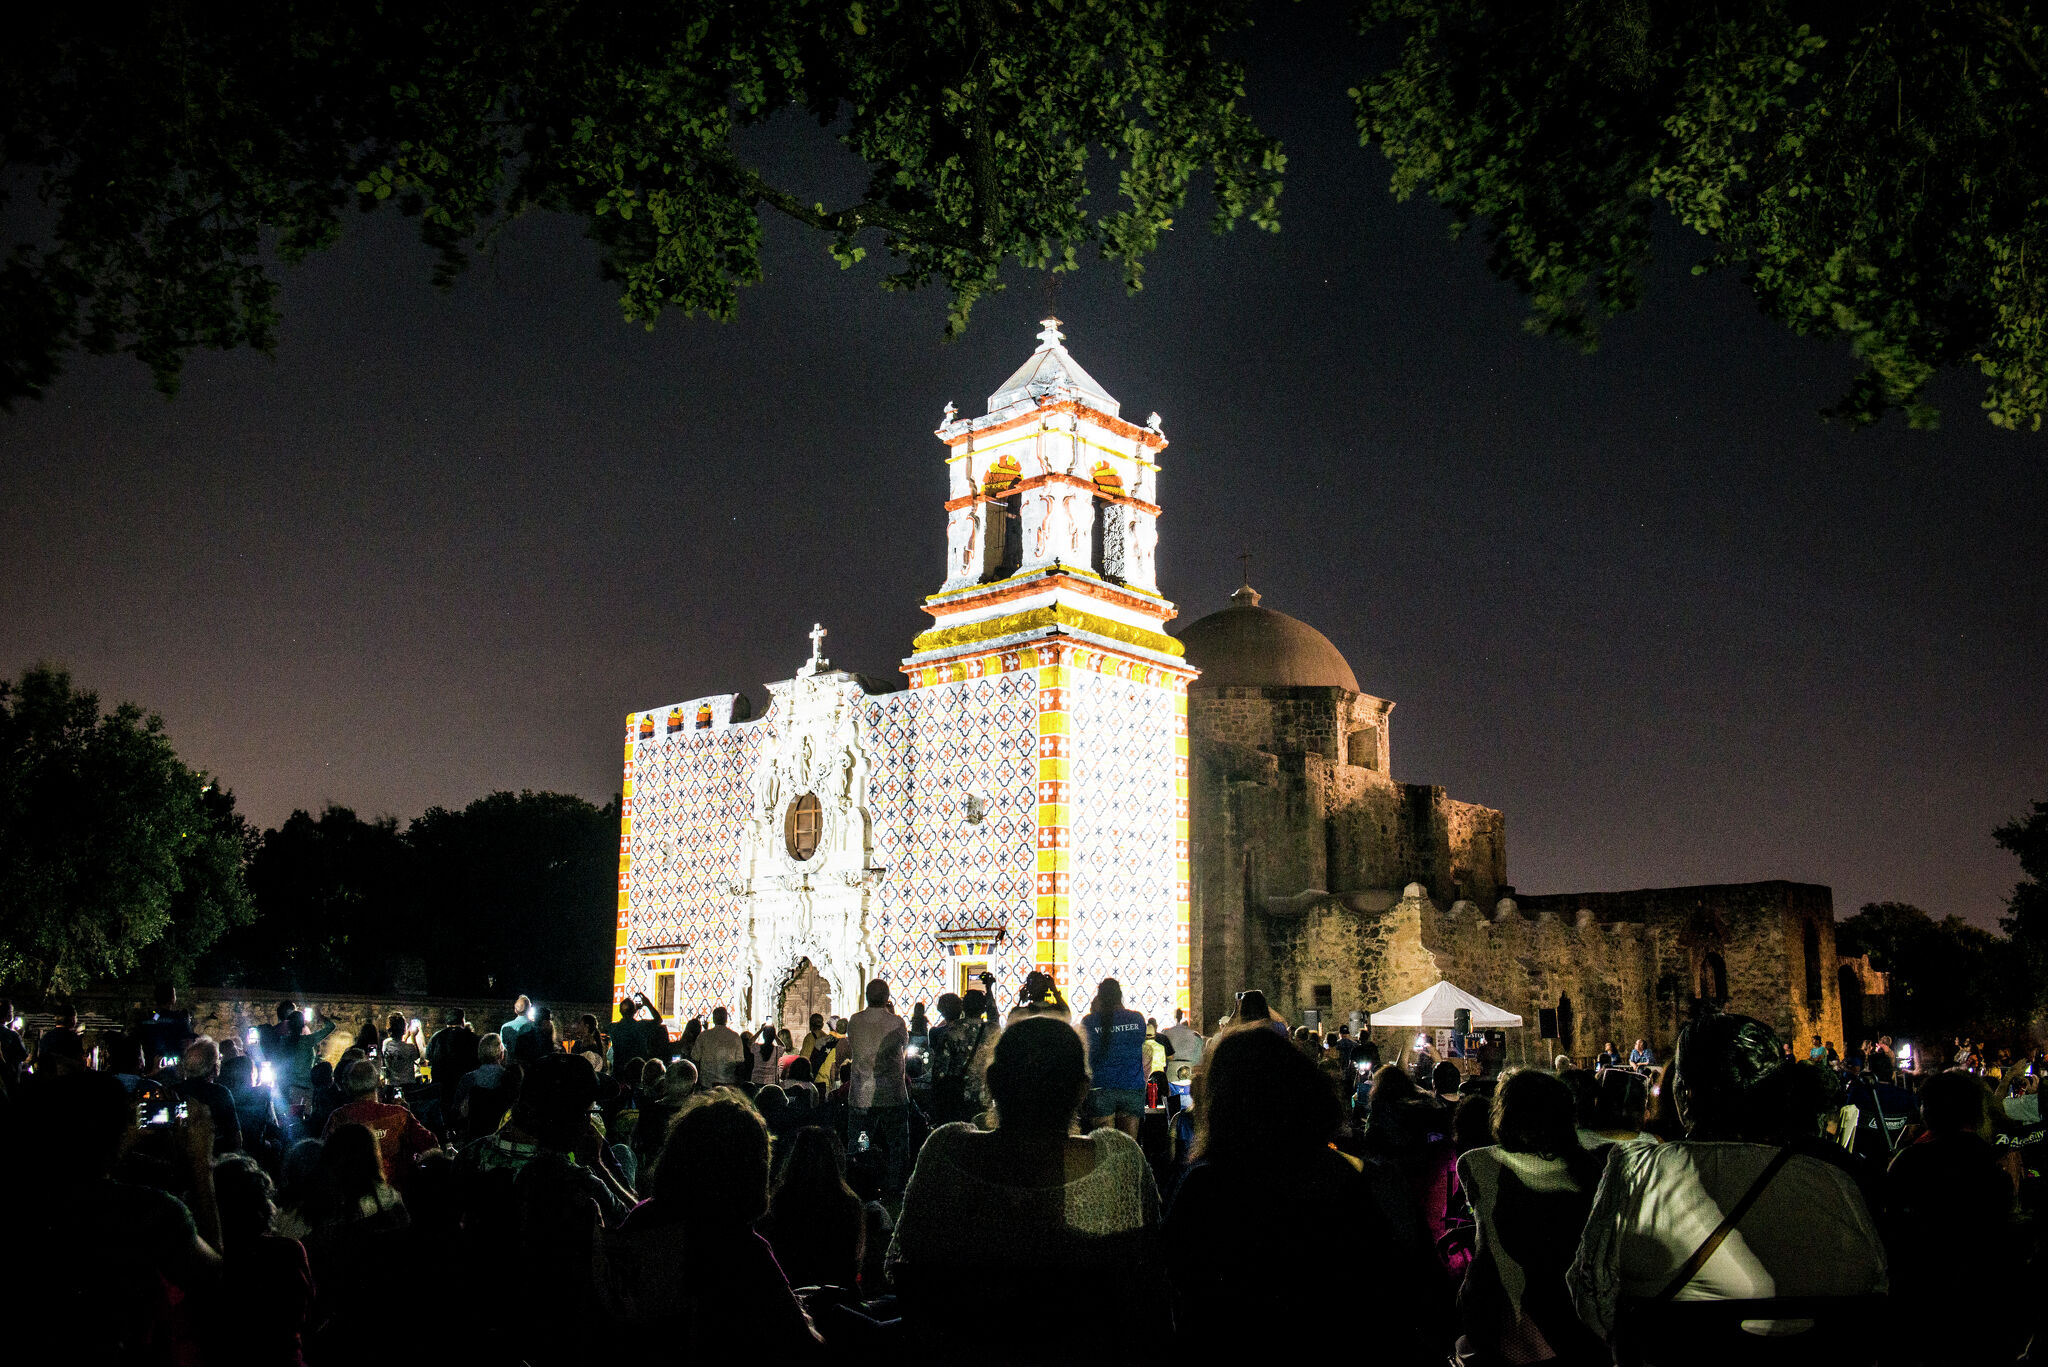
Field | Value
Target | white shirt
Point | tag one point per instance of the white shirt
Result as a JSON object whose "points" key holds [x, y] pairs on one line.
{"points": [[717, 1050], [1808, 1234], [875, 1041]]}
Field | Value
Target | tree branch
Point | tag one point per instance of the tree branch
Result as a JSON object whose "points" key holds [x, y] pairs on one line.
{"points": [[866, 214]]}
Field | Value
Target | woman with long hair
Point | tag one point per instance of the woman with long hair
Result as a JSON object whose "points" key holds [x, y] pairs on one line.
{"points": [[815, 1223], [266, 1280], [1265, 1180], [367, 1037], [687, 1266], [1252, 1010], [352, 1183], [1530, 1192], [355, 1219], [767, 1063], [997, 1225], [401, 1052], [1116, 1059]]}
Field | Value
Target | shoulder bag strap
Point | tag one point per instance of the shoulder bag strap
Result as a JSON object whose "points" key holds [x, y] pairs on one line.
{"points": [[1698, 1260]]}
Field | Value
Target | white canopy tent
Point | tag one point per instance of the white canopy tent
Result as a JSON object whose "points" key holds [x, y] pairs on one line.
{"points": [[1436, 1009]]}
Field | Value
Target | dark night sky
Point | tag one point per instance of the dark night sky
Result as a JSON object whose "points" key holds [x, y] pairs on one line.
{"points": [[1644, 601]]}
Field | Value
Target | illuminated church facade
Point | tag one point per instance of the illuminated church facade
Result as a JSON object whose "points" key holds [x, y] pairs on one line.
{"points": [[1022, 803], [1031, 798]]}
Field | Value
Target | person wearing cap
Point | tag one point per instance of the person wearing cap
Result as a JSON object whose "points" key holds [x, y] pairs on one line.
{"points": [[1041, 997], [400, 1137]]}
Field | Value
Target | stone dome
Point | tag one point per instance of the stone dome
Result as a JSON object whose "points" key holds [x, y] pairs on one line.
{"points": [[1248, 646]]}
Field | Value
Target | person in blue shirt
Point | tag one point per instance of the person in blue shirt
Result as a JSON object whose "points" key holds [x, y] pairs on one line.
{"points": [[1641, 1056], [521, 1022], [1116, 1059]]}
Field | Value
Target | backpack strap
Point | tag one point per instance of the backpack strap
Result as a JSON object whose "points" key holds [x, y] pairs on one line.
{"points": [[1691, 1267]]}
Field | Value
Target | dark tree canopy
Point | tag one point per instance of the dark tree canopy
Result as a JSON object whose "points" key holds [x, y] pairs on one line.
{"points": [[334, 901], [2026, 911], [114, 857], [1945, 977], [517, 892], [181, 150], [521, 888], [1878, 172]]}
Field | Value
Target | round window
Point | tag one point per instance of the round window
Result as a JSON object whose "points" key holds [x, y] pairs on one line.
{"points": [[801, 826]]}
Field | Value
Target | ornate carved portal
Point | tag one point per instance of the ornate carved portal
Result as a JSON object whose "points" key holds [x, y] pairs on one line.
{"points": [[802, 996], [807, 911]]}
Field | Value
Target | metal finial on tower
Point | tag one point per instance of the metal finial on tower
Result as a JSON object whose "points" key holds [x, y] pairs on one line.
{"points": [[1050, 334], [1247, 596]]}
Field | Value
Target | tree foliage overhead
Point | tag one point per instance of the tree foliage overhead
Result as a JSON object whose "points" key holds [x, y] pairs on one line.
{"points": [[178, 147], [114, 857], [1878, 171]]}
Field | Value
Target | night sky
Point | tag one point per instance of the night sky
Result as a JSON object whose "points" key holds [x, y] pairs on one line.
{"points": [[1645, 602]]}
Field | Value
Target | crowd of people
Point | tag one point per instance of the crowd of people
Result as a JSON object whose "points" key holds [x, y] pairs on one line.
{"points": [[1046, 1180]]}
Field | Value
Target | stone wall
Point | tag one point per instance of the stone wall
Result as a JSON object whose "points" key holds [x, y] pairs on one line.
{"points": [[1866, 1000], [1278, 720], [1277, 834], [1321, 880], [1598, 979], [233, 1012], [1581, 970], [1340, 958], [1744, 947]]}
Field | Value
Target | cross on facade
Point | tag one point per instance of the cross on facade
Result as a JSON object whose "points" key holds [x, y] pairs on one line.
{"points": [[818, 660]]}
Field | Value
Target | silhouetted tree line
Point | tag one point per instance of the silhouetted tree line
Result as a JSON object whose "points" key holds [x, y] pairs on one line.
{"points": [[117, 861], [514, 892], [1949, 977]]}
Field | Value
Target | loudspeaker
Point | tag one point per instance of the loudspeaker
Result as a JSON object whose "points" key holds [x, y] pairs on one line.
{"points": [[1461, 1021]]}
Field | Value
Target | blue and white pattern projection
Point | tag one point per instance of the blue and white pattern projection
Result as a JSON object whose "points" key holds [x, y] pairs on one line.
{"points": [[1123, 838], [685, 800], [954, 802], [951, 794]]}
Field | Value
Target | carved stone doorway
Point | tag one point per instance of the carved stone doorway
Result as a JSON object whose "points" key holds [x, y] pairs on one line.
{"points": [[805, 993]]}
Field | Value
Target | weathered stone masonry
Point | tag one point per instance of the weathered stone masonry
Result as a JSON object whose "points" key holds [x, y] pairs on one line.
{"points": [[1323, 881]]}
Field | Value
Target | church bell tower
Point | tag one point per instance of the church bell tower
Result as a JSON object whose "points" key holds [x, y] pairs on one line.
{"points": [[1052, 589], [1052, 522]]}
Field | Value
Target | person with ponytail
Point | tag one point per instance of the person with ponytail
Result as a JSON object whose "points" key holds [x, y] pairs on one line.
{"points": [[1116, 1059]]}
